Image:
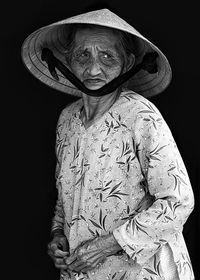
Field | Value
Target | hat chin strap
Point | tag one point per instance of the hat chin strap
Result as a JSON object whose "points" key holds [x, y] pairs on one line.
{"points": [[148, 64]]}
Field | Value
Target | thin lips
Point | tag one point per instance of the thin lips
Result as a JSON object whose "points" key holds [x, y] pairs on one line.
{"points": [[93, 80]]}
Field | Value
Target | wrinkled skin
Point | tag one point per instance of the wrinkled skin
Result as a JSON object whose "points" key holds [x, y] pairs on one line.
{"points": [[92, 253], [97, 58], [58, 249]]}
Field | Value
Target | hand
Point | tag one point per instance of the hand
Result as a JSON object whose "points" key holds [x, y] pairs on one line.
{"points": [[92, 253], [58, 249]]}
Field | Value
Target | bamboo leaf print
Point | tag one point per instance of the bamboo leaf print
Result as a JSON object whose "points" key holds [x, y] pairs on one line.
{"points": [[92, 232], [113, 276], [159, 216], [101, 197], [172, 168], [111, 124], [102, 156], [176, 206], [122, 124], [72, 167], [100, 217], [111, 114], [130, 247], [155, 262], [114, 195], [140, 229], [158, 268], [170, 204], [154, 150], [123, 146], [163, 240], [181, 179], [153, 157], [150, 271], [146, 111], [148, 105], [108, 131], [103, 224], [83, 218], [167, 217], [120, 193], [115, 187], [108, 183], [140, 251], [154, 125], [175, 181], [140, 224], [160, 148], [81, 179], [122, 277], [128, 152], [95, 224], [128, 159], [105, 189], [107, 123], [103, 149]]}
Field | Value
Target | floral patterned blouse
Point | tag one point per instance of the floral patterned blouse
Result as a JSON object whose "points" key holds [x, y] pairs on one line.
{"points": [[103, 173]]}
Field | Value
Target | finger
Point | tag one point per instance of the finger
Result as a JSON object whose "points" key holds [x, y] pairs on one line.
{"points": [[59, 263], [61, 266], [63, 245], [71, 259], [60, 253], [53, 246], [64, 272], [83, 269], [76, 264]]}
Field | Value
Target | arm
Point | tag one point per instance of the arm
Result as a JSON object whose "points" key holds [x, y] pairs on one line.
{"points": [[58, 219], [58, 247], [166, 180]]}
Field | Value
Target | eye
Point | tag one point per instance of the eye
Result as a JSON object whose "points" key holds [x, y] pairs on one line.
{"points": [[106, 56], [82, 56]]}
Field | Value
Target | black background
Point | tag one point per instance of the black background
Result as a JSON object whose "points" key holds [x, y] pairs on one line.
{"points": [[30, 111]]}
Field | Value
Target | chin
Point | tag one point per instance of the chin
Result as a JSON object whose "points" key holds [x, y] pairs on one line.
{"points": [[93, 87]]}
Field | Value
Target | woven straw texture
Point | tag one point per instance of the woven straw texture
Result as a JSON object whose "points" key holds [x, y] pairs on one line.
{"points": [[54, 36]]}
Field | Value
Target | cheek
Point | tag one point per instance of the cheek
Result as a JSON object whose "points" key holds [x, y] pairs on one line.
{"points": [[113, 72], [77, 69]]}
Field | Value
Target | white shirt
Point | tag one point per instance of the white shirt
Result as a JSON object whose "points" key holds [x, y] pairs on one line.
{"points": [[103, 173]]}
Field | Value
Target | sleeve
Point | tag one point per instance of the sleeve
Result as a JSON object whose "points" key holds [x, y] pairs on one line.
{"points": [[58, 218], [166, 180]]}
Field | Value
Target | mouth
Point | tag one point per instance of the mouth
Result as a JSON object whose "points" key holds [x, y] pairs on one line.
{"points": [[93, 81]]}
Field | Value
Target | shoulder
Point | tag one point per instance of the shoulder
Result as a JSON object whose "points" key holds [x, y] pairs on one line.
{"points": [[138, 104], [138, 110], [68, 111]]}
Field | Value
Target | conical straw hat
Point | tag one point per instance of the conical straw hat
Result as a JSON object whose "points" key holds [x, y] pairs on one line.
{"points": [[54, 36]]}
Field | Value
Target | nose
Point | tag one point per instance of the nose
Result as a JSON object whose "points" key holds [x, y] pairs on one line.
{"points": [[94, 68]]}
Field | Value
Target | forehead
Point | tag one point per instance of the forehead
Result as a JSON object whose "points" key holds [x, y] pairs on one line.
{"points": [[98, 36]]}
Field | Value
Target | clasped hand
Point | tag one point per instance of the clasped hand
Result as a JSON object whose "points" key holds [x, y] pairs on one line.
{"points": [[89, 255]]}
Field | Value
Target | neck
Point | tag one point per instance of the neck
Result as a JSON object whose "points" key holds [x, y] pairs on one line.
{"points": [[95, 107]]}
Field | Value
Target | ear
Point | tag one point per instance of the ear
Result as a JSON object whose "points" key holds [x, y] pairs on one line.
{"points": [[130, 61]]}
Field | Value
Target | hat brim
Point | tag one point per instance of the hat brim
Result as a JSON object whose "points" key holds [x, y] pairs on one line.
{"points": [[54, 36]]}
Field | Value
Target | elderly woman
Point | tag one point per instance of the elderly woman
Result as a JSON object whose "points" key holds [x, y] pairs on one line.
{"points": [[123, 190]]}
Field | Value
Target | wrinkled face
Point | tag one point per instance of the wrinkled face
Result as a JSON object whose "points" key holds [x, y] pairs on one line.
{"points": [[95, 58]]}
